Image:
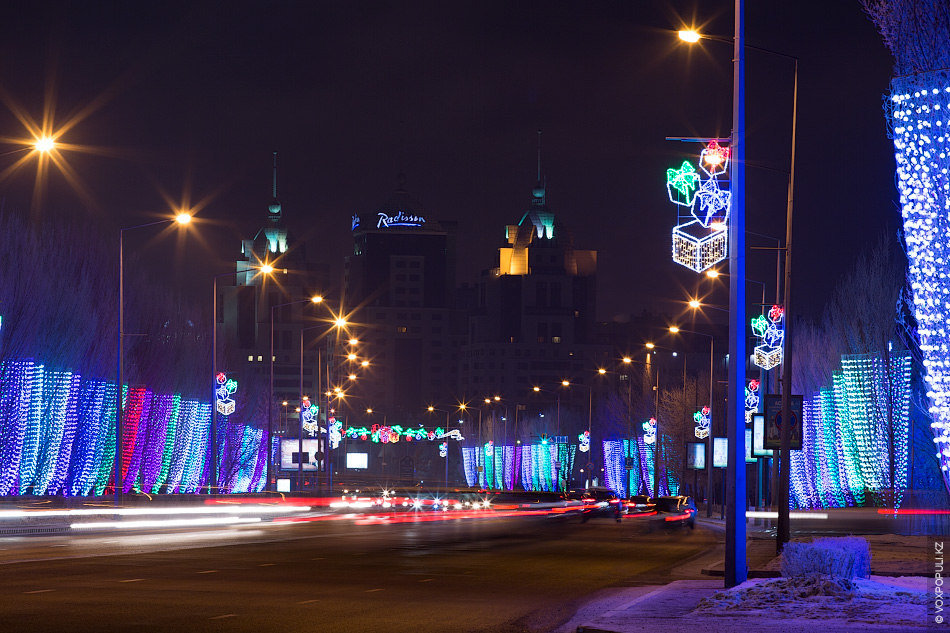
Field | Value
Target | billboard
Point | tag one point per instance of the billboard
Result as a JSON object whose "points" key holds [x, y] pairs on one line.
{"points": [[290, 456], [357, 460], [758, 436], [720, 452], [696, 455], [773, 421]]}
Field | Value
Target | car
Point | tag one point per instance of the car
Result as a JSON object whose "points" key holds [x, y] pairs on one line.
{"points": [[676, 511], [598, 501]]}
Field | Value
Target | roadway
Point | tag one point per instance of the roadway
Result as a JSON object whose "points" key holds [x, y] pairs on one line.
{"points": [[352, 574]]}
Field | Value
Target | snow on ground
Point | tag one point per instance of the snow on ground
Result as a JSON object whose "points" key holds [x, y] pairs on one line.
{"points": [[877, 600]]}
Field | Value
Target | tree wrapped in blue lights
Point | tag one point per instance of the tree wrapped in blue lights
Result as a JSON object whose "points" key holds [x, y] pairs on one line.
{"points": [[918, 113]]}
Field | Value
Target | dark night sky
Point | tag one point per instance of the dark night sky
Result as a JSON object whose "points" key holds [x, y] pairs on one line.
{"points": [[351, 93]]}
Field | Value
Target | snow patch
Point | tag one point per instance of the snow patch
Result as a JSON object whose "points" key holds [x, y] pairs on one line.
{"points": [[895, 601]]}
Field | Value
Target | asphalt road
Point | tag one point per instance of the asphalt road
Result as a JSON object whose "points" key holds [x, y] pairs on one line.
{"points": [[504, 575]]}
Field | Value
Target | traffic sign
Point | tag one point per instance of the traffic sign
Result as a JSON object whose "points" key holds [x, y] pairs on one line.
{"points": [[773, 421]]}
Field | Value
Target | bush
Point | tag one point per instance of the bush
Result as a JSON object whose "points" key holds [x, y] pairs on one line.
{"points": [[844, 557]]}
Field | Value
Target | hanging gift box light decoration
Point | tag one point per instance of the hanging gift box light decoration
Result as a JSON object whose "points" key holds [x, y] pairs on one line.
{"points": [[583, 442], [701, 239], [771, 334], [223, 392], [702, 418], [649, 431]]}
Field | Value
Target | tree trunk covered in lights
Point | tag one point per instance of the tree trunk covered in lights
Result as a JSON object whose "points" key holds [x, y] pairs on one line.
{"points": [[918, 113]]}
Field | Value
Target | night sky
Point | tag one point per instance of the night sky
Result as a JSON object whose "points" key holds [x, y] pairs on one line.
{"points": [[195, 97]]}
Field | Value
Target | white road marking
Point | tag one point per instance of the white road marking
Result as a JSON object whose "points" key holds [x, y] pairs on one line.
{"points": [[133, 580], [267, 564], [372, 590], [208, 571], [426, 580], [309, 601], [39, 591], [226, 615]]}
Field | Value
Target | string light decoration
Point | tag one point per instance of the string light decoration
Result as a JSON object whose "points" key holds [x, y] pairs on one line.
{"points": [[845, 452], [444, 449], [57, 437], [642, 476], [381, 434], [700, 239], [771, 334], [702, 418], [918, 121]]}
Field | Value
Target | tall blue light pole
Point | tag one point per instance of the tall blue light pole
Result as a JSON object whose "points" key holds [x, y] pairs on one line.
{"points": [[735, 563]]}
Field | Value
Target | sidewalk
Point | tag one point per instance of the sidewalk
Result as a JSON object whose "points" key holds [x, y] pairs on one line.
{"points": [[668, 609], [672, 607]]}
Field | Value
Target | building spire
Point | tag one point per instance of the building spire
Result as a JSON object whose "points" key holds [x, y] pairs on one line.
{"points": [[539, 155], [537, 194], [273, 209]]}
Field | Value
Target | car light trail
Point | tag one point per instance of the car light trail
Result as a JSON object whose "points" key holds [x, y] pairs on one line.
{"points": [[164, 523], [818, 516]]}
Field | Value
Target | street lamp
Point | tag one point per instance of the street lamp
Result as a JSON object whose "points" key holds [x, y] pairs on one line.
{"points": [[709, 440], [265, 269], [432, 409], [735, 558], [336, 392], [46, 144], [737, 269], [316, 299]]}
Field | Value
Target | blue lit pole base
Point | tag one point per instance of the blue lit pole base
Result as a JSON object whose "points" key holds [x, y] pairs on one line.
{"points": [[698, 247]]}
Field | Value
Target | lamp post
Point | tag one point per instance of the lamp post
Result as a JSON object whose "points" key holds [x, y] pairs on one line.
{"points": [[336, 392], [709, 440], [182, 218], [316, 299], [590, 400], [264, 269], [431, 409]]}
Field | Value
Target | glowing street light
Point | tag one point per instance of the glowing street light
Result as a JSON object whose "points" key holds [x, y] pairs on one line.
{"points": [[689, 35], [183, 218], [118, 478], [44, 144]]}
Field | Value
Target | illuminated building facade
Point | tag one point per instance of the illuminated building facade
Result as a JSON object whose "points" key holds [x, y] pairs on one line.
{"points": [[533, 320]]}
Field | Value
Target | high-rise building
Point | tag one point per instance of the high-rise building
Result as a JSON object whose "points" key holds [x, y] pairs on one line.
{"points": [[399, 284]]}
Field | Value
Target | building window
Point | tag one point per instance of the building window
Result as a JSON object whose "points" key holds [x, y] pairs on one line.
{"points": [[259, 359], [541, 295], [400, 263], [415, 264], [401, 329], [555, 339], [250, 359]]}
